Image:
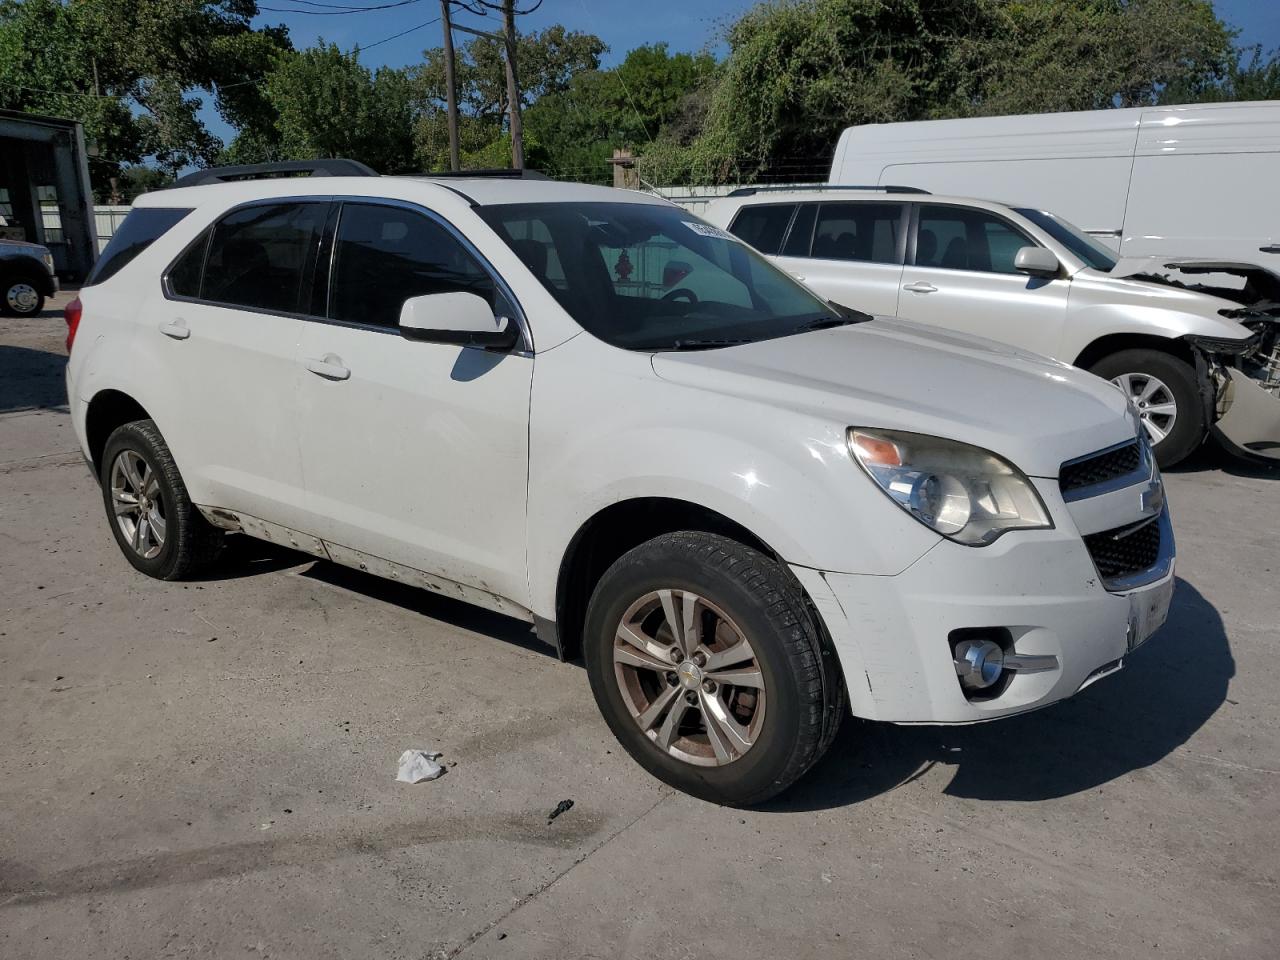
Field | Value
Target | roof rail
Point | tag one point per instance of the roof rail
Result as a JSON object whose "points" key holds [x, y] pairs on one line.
{"points": [[335, 167], [497, 173], [779, 188]]}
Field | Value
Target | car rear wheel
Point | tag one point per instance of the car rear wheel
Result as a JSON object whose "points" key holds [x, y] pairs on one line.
{"points": [[20, 298], [157, 527], [1163, 389], [710, 669]]}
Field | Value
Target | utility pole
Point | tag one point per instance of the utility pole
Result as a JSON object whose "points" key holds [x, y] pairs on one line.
{"points": [[451, 91], [513, 86]]}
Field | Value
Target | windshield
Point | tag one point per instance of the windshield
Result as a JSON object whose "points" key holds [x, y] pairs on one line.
{"points": [[647, 277], [1095, 254]]}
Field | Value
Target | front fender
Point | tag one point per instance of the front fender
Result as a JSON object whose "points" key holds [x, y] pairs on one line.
{"points": [[784, 476]]}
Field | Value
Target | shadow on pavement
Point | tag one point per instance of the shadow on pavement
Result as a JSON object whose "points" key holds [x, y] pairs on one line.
{"points": [[1169, 688], [1213, 456], [31, 379], [456, 613]]}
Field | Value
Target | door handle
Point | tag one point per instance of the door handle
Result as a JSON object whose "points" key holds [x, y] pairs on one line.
{"points": [[920, 286], [1270, 248], [176, 329], [330, 366]]}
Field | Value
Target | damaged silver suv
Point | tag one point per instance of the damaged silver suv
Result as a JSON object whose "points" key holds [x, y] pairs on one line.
{"points": [[1193, 344]]}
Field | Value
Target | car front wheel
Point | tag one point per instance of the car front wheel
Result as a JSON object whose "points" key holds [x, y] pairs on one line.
{"points": [[709, 668], [1163, 389]]}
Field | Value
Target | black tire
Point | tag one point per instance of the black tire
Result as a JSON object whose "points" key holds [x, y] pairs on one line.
{"points": [[804, 689], [1189, 428], [7, 286], [190, 542]]}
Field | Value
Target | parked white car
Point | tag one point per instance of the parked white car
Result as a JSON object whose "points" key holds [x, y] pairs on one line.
{"points": [[1195, 345], [750, 512], [1166, 181]]}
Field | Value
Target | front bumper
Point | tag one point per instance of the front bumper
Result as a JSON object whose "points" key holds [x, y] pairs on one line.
{"points": [[892, 633]]}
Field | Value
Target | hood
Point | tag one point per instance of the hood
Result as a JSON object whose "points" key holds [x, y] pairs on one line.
{"points": [[1033, 411], [22, 246]]}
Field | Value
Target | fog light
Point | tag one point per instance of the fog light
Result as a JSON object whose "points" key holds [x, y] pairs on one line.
{"points": [[979, 663]]}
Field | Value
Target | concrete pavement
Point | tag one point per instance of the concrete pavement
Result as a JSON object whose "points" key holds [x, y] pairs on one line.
{"points": [[207, 769]]}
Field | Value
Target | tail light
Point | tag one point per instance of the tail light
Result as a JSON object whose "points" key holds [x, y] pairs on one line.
{"points": [[71, 313]]}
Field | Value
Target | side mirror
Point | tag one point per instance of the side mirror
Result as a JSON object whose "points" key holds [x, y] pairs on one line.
{"points": [[1036, 261], [461, 318]]}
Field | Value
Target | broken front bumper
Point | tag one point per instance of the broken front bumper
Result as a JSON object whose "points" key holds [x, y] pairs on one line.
{"points": [[1250, 422]]}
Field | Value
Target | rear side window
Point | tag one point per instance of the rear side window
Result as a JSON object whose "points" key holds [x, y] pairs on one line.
{"points": [[261, 257], [385, 255], [955, 238], [762, 226], [868, 232], [140, 229]]}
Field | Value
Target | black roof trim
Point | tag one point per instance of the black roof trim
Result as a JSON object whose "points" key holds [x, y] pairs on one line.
{"points": [[783, 188], [335, 167]]}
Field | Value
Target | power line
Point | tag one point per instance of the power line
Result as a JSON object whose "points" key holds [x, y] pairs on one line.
{"points": [[337, 11], [397, 36]]}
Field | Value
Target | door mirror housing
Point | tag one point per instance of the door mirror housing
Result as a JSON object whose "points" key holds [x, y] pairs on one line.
{"points": [[1036, 261], [461, 318]]}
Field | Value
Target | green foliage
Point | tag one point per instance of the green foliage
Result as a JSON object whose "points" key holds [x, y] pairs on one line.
{"points": [[800, 71], [627, 106], [328, 105], [126, 69]]}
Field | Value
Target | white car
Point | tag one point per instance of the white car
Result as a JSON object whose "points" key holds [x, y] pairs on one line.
{"points": [[749, 512], [1195, 345]]}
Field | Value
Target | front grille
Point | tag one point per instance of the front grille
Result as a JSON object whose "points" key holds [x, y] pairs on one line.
{"points": [[1125, 550], [1100, 467]]}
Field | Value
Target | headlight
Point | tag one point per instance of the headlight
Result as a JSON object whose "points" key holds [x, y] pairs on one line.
{"points": [[965, 493]]}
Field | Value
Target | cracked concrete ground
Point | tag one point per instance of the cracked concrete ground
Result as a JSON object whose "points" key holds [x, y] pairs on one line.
{"points": [[207, 769]]}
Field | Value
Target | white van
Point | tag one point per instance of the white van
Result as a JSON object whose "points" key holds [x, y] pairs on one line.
{"points": [[1195, 180]]}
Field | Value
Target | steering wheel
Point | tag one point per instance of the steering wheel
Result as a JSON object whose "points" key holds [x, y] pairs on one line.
{"points": [[681, 292]]}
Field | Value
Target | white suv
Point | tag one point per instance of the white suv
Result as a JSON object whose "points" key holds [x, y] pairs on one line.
{"points": [[749, 512], [1195, 344]]}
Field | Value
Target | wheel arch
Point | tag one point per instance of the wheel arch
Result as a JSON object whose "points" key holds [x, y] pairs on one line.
{"points": [[1116, 342], [108, 410], [611, 532]]}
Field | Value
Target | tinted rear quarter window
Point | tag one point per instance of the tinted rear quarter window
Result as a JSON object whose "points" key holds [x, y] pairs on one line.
{"points": [[762, 226], [141, 228]]}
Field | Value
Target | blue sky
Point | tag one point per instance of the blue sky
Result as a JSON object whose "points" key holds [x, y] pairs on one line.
{"points": [[622, 24]]}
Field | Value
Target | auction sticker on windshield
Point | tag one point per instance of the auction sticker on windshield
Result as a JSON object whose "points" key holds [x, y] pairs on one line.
{"points": [[706, 230]]}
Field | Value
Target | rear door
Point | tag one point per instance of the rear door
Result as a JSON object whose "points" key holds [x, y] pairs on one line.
{"points": [[851, 252], [227, 336], [413, 452], [960, 276]]}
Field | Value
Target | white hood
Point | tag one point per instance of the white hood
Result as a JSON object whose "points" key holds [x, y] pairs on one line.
{"points": [[1034, 411]]}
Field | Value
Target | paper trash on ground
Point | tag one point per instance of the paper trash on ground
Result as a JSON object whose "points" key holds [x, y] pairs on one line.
{"points": [[417, 766]]}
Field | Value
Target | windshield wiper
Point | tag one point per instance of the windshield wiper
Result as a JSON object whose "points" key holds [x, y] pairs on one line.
{"points": [[847, 315], [694, 344]]}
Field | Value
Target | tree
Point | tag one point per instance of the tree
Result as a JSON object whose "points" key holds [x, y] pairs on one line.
{"points": [[127, 68], [548, 61], [799, 72], [329, 105], [627, 106]]}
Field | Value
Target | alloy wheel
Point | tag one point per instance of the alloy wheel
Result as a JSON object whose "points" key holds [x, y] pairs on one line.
{"points": [[1154, 402], [689, 678], [138, 504]]}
